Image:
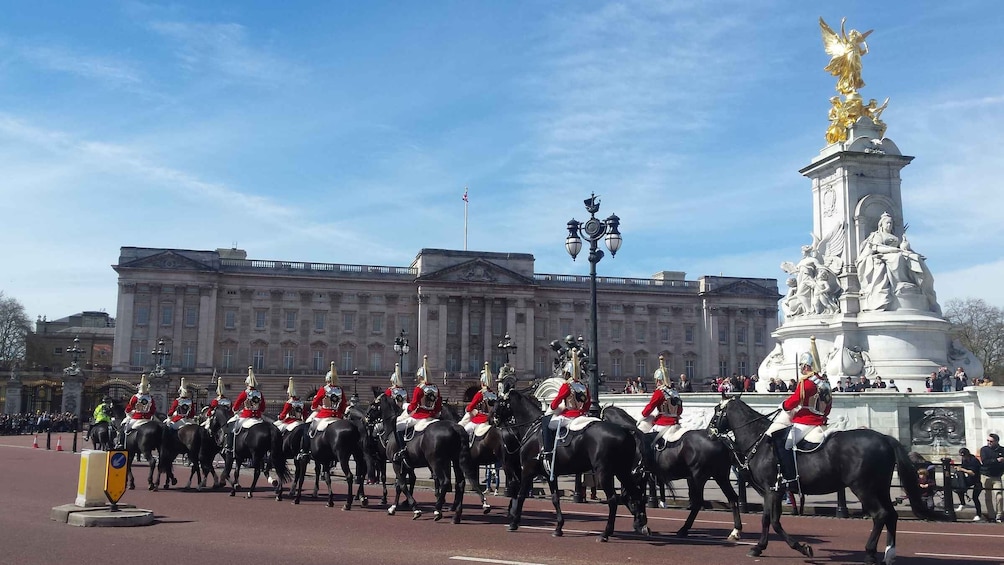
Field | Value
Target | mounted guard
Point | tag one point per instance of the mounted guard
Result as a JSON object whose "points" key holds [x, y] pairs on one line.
{"points": [[328, 406], [426, 403], [480, 408], [102, 413], [666, 402], [291, 414], [250, 405], [220, 400], [140, 409], [182, 411], [571, 402], [806, 409]]}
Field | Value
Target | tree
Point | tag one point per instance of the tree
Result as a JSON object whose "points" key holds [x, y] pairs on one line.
{"points": [[979, 327], [14, 326]]}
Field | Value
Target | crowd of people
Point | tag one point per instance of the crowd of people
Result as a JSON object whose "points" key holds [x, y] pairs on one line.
{"points": [[39, 422]]}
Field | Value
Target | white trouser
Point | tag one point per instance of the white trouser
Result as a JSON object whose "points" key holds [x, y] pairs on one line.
{"points": [[659, 428], [559, 419], [405, 421], [796, 434], [781, 421]]}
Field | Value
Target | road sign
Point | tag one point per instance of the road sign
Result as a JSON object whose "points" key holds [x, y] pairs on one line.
{"points": [[115, 476]]}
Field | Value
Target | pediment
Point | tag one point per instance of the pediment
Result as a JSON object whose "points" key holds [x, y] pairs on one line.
{"points": [[477, 271], [168, 260], [744, 288]]}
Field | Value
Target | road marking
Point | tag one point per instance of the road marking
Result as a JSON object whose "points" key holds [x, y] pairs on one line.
{"points": [[634, 535], [954, 535], [486, 560], [960, 556]]}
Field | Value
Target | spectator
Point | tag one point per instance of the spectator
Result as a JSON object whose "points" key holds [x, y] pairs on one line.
{"points": [[863, 384], [879, 383], [685, 384], [792, 385], [849, 386], [992, 458], [947, 380], [639, 386], [926, 488], [969, 470], [892, 385], [961, 379], [781, 387], [929, 382]]}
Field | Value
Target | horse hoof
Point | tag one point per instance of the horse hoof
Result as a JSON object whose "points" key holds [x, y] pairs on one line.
{"points": [[174, 481], [391, 510], [645, 531], [806, 550], [438, 515], [681, 533], [346, 507], [297, 502], [603, 539], [557, 533], [416, 515], [755, 552], [233, 493], [513, 527], [330, 505], [249, 495], [364, 503], [274, 482], [486, 508], [735, 535]]}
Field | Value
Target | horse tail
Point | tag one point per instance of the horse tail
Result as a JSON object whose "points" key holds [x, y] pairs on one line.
{"points": [[466, 463], [277, 457], [910, 483]]}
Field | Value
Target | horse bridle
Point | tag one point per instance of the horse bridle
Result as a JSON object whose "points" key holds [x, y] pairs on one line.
{"points": [[743, 458], [511, 424]]}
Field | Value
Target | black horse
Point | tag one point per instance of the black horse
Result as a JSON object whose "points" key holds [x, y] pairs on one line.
{"points": [[488, 449], [339, 441], [443, 448], [604, 448], [147, 439], [191, 441], [862, 460], [258, 442], [102, 435], [697, 457]]}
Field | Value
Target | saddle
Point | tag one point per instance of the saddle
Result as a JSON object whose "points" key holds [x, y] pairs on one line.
{"points": [[813, 440], [318, 425], [482, 429], [180, 423], [135, 424], [420, 425], [667, 437], [249, 422], [575, 427]]}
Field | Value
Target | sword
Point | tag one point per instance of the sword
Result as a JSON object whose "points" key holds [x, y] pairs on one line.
{"points": [[554, 448]]}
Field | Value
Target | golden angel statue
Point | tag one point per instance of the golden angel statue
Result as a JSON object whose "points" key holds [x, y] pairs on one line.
{"points": [[845, 51]]}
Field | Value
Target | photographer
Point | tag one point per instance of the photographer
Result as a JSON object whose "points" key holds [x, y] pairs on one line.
{"points": [[992, 459], [969, 473]]}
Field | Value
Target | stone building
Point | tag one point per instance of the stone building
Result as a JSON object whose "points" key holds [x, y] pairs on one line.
{"points": [[219, 310]]}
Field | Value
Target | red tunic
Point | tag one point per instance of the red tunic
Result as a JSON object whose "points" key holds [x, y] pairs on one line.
{"points": [[177, 415], [247, 412], [565, 392], [663, 419], [802, 401], [214, 404], [291, 413], [323, 412], [420, 413], [475, 404], [136, 414]]}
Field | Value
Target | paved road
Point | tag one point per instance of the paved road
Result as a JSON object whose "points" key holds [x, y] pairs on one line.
{"points": [[211, 527]]}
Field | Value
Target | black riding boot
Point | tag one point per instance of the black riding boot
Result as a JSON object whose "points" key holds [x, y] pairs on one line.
{"points": [[399, 439], [305, 444], [547, 440], [786, 462]]}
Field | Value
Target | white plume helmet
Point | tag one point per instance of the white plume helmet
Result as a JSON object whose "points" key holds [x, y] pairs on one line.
{"points": [[251, 381], [182, 390], [291, 389], [395, 377], [575, 371], [144, 385], [422, 376], [331, 377], [661, 372], [486, 376], [219, 385]]}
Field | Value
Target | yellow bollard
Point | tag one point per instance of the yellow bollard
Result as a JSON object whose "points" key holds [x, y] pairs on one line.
{"points": [[91, 484]]}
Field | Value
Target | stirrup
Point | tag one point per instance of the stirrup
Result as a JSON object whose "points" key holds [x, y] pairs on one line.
{"points": [[301, 456], [398, 457]]}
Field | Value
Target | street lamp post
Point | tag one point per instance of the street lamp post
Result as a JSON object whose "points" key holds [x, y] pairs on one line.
{"points": [[401, 347], [75, 350], [508, 346], [161, 354], [355, 388], [593, 230]]}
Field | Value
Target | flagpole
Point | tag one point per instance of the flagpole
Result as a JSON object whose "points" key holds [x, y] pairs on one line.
{"points": [[465, 218]]}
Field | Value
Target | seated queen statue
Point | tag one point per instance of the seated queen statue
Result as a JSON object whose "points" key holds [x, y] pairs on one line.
{"points": [[892, 275]]}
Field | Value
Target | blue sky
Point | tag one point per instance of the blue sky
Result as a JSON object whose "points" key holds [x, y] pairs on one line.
{"points": [[345, 132]]}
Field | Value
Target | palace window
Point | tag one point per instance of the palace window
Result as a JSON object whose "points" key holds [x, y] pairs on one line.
{"points": [[258, 359], [191, 316], [319, 317], [290, 320], [230, 319]]}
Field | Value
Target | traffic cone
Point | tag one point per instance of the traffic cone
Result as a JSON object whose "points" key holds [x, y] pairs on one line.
{"points": [[59, 443], [34, 442]]}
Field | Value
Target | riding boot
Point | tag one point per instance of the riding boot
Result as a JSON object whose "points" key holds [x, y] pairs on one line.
{"points": [[547, 441], [401, 446], [304, 445], [786, 462]]}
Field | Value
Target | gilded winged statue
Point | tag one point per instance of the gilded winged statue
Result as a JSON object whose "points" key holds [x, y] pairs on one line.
{"points": [[845, 51]]}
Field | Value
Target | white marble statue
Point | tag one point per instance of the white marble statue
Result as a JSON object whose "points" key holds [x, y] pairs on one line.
{"points": [[814, 288], [892, 275]]}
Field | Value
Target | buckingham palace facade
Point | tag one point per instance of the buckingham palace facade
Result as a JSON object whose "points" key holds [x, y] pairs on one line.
{"points": [[219, 310]]}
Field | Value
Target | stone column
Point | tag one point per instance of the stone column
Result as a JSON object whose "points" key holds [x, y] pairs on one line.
{"points": [[465, 334], [487, 332], [159, 383], [73, 390], [12, 405], [206, 345], [123, 327]]}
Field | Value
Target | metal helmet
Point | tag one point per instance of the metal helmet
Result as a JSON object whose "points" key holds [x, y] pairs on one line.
{"points": [[219, 385], [661, 373], [144, 385], [331, 378], [291, 390], [251, 381], [422, 375], [486, 376], [395, 377], [805, 363], [182, 390]]}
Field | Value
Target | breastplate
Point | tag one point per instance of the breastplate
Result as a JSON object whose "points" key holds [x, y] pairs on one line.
{"points": [[578, 396], [143, 402], [332, 397], [666, 407], [223, 402], [398, 394], [184, 406], [295, 408], [429, 395], [819, 403], [253, 399]]}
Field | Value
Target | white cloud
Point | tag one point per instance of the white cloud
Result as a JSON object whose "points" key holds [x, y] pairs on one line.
{"points": [[63, 59]]}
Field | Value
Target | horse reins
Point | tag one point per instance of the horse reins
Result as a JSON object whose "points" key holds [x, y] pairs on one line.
{"points": [[743, 458]]}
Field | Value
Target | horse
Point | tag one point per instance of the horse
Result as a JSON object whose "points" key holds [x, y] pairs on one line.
{"points": [[443, 448], [862, 460], [190, 440], [340, 440], [488, 449], [102, 435], [146, 439], [377, 447], [604, 448], [697, 457], [254, 443]]}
